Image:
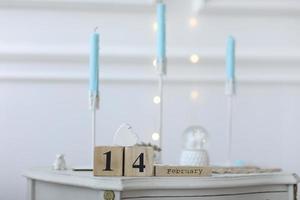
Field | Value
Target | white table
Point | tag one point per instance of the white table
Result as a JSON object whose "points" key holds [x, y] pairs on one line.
{"points": [[47, 184]]}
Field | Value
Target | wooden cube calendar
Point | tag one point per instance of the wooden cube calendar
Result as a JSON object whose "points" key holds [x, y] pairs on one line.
{"points": [[108, 161], [138, 161]]}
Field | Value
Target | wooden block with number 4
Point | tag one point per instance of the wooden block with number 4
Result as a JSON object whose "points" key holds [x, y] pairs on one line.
{"points": [[138, 161], [108, 161]]}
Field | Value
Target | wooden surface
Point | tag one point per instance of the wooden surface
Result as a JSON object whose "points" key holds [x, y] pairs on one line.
{"points": [[168, 170], [108, 161], [139, 161]]}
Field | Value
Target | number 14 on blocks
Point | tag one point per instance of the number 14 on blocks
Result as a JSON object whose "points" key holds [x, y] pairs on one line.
{"points": [[127, 161]]}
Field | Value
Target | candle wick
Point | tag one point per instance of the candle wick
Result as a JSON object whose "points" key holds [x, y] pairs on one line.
{"points": [[96, 28]]}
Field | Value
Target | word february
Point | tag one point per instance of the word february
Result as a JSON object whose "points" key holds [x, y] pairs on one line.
{"points": [[165, 170]]}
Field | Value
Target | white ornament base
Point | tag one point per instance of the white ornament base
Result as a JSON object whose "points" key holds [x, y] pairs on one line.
{"points": [[194, 158]]}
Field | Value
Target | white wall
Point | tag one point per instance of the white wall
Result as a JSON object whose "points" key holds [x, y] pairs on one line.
{"points": [[43, 80]]}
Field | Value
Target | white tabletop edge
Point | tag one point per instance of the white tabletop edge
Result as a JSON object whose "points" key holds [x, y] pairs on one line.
{"points": [[86, 179]]}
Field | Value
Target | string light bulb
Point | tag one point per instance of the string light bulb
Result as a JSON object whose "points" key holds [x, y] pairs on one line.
{"points": [[194, 95], [154, 26], [155, 136], [193, 22], [154, 62], [194, 58], [156, 99]]}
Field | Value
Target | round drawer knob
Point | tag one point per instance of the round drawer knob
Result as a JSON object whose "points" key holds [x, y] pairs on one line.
{"points": [[109, 195]]}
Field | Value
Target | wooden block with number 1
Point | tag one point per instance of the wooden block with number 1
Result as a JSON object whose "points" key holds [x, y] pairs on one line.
{"points": [[108, 161], [139, 161]]}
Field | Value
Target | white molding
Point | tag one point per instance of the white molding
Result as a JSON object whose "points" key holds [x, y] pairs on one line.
{"points": [[67, 77], [132, 5], [145, 56], [79, 77], [260, 7], [23, 64]]}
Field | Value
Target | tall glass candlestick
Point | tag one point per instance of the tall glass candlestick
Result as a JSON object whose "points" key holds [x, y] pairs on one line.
{"points": [[161, 63], [93, 92], [94, 83], [230, 92]]}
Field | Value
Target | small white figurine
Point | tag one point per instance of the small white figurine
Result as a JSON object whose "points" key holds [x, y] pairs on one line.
{"points": [[60, 163], [193, 152], [125, 136]]}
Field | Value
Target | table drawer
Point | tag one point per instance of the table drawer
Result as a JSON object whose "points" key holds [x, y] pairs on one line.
{"points": [[254, 196]]}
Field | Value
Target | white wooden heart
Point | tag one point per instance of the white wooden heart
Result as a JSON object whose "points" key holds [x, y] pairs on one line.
{"points": [[125, 136]]}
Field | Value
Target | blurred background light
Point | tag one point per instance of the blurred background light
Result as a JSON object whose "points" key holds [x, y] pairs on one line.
{"points": [[194, 58], [155, 136], [156, 99]]}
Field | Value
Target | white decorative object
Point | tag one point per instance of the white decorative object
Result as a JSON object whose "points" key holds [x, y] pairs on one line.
{"points": [[194, 157], [60, 163], [125, 136], [193, 153]]}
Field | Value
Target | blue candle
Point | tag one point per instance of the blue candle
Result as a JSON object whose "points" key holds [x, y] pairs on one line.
{"points": [[230, 58], [94, 63], [161, 32]]}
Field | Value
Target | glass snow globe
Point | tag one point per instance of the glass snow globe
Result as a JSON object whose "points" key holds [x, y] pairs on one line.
{"points": [[194, 142]]}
